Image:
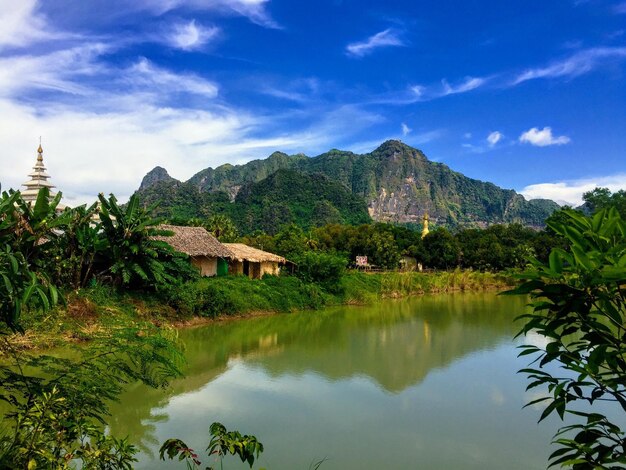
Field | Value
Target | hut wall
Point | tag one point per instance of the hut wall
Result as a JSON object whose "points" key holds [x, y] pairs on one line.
{"points": [[269, 267], [207, 266], [235, 267], [255, 271]]}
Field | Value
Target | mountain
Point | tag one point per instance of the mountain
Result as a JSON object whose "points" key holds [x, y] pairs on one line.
{"points": [[397, 183], [154, 176], [289, 196]]}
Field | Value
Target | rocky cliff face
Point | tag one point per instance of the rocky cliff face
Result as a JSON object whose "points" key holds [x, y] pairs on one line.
{"points": [[154, 176], [397, 182]]}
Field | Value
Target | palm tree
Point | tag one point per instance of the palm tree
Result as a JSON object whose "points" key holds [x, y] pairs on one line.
{"points": [[222, 228]]}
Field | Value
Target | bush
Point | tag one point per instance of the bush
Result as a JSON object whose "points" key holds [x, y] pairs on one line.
{"points": [[322, 268]]}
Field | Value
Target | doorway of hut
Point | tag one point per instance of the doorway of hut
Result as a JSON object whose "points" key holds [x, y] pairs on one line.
{"points": [[246, 267], [222, 267]]}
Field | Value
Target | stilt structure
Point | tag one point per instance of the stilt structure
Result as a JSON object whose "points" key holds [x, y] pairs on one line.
{"points": [[39, 179], [425, 225]]}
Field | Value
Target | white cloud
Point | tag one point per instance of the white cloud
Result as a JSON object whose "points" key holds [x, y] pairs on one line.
{"points": [[21, 24], [254, 10], [578, 64], [542, 138], [190, 36], [571, 192], [386, 38], [494, 138], [144, 74], [469, 84], [59, 70], [418, 90], [406, 130]]}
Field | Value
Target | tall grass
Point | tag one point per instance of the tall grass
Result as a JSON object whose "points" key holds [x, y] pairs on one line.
{"points": [[240, 295]]}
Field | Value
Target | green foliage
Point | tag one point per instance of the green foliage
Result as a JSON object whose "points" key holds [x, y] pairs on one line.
{"points": [[602, 198], [496, 248], [19, 288], [79, 249], [321, 268], [57, 414], [133, 257], [20, 229], [441, 249], [223, 442], [289, 196], [336, 186], [211, 297], [222, 228], [579, 306], [374, 241]]}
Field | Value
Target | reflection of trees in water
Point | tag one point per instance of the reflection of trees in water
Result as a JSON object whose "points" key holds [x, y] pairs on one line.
{"points": [[395, 343], [398, 344]]}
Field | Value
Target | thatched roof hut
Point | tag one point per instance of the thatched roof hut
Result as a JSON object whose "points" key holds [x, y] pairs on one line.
{"points": [[252, 262], [243, 252], [194, 241], [205, 251]]}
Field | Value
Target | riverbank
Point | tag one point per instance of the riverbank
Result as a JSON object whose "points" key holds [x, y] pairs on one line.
{"points": [[93, 311]]}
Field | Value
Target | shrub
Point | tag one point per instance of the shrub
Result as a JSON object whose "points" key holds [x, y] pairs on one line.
{"points": [[322, 268]]}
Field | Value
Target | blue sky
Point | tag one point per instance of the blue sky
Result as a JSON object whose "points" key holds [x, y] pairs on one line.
{"points": [[529, 95]]}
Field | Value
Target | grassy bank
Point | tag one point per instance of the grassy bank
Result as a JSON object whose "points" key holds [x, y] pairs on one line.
{"points": [[92, 311]]}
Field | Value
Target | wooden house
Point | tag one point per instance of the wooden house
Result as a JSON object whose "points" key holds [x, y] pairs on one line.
{"points": [[206, 252], [253, 262]]}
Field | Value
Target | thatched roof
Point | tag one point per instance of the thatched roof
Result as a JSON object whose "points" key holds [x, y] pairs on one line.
{"points": [[243, 252], [194, 241]]}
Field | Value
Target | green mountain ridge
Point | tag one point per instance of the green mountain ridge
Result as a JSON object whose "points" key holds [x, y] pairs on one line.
{"points": [[397, 183]]}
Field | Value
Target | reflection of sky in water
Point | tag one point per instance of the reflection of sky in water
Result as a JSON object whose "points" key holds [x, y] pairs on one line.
{"points": [[412, 384]]}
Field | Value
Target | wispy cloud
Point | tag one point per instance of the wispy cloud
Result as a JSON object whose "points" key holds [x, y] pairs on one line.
{"points": [[571, 192], [60, 71], [22, 24], [387, 38], [406, 130], [190, 36], [254, 10], [493, 138], [542, 138], [468, 84], [144, 74], [580, 63]]}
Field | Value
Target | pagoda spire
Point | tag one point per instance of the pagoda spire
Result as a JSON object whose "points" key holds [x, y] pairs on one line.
{"points": [[38, 179], [425, 225]]}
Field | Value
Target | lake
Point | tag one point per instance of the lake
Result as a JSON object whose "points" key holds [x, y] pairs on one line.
{"points": [[429, 382]]}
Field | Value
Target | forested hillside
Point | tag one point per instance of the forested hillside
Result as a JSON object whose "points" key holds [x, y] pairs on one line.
{"points": [[395, 182]]}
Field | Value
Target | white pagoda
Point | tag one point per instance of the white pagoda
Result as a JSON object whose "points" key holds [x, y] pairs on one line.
{"points": [[39, 179]]}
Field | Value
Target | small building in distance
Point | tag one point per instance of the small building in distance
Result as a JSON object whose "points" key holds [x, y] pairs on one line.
{"points": [[205, 251], [253, 262]]}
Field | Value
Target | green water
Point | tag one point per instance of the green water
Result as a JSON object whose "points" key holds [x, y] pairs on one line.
{"points": [[425, 383]]}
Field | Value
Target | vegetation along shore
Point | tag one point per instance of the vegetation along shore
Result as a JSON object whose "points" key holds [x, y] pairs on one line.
{"points": [[107, 279]]}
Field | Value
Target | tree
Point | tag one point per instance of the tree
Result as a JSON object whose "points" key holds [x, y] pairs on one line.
{"points": [[579, 306], [441, 249], [133, 256], [602, 198], [19, 285], [222, 228], [58, 406]]}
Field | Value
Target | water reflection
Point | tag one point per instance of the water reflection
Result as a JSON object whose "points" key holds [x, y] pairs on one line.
{"points": [[345, 362]]}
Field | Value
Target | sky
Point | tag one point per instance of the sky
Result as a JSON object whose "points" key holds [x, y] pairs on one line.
{"points": [[528, 95]]}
